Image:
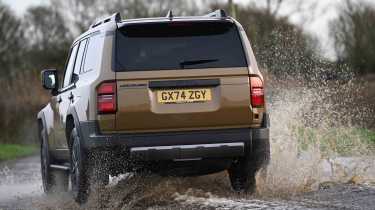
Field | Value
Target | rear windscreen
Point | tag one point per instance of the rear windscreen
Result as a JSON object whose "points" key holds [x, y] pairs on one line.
{"points": [[178, 45]]}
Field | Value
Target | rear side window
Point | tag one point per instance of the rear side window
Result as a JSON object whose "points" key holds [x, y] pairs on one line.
{"points": [[178, 45], [93, 54], [81, 51]]}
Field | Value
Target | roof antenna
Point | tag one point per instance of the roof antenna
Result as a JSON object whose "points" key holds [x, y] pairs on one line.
{"points": [[170, 15]]}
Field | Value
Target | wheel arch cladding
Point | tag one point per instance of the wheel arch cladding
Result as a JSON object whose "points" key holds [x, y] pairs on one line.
{"points": [[41, 123], [72, 121]]}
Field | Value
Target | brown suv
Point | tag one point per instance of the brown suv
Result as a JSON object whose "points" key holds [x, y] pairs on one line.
{"points": [[173, 95]]}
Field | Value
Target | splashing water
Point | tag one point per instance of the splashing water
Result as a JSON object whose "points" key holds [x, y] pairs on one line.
{"points": [[311, 123]]}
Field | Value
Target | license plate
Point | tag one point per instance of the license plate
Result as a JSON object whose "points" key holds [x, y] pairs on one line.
{"points": [[184, 96]]}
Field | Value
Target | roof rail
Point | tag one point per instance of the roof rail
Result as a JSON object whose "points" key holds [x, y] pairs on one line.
{"points": [[116, 18], [220, 13]]}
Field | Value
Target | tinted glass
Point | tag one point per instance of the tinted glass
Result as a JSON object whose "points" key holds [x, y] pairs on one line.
{"points": [[81, 52], [178, 45], [93, 51], [70, 67]]}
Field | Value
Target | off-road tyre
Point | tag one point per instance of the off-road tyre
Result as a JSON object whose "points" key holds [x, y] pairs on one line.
{"points": [[242, 176], [243, 171], [79, 175]]}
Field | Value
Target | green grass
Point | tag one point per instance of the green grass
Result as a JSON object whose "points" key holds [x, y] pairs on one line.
{"points": [[12, 151], [368, 135], [342, 141]]}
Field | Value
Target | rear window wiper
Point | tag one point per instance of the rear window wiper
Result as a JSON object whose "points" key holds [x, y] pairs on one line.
{"points": [[196, 62]]}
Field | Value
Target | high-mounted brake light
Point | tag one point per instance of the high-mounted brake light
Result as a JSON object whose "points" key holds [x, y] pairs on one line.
{"points": [[107, 98], [256, 92]]}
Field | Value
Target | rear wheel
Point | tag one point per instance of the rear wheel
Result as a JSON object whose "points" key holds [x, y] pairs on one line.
{"points": [[78, 169], [52, 180], [243, 171], [242, 177], [87, 170]]}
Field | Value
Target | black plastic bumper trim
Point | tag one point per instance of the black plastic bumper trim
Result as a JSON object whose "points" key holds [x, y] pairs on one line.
{"points": [[92, 139]]}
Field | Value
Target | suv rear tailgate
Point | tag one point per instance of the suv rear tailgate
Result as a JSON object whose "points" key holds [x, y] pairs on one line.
{"points": [[181, 75], [140, 109]]}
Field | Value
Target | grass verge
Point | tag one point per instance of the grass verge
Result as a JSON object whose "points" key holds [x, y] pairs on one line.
{"points": [[13, 151], [342, 141]]}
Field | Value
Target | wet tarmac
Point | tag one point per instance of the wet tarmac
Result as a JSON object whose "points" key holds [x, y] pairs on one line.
{"points": [[20, 188], [20, 181]]}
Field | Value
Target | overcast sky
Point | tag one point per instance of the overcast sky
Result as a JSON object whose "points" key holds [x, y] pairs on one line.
{"points": [[21, 5], [315, 21]]}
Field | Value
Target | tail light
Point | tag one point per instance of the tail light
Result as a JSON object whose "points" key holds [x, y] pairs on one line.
{"points": [[107, 98], [256, 92]]}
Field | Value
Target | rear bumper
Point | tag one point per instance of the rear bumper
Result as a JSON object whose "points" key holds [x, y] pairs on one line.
{"points": [[174, 145]]}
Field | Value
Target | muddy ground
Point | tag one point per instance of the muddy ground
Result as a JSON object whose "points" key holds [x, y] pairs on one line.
{"points": [[20, 188]]}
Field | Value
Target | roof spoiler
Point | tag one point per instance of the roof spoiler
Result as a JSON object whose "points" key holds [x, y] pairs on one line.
{"points": [[220, 13], [115, 18]]}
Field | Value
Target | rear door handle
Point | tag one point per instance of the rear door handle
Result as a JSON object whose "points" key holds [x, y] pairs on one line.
{"points": [[71, 96]]}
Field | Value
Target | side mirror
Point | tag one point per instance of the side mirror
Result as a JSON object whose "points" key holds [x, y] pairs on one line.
{"points": [[49, 79]]}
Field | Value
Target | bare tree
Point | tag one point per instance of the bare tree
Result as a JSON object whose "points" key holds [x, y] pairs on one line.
{"points": [[45, 28], [306, 10], [11, 38], [276, 6], [82, 13], [48, 38], [354, 36]]}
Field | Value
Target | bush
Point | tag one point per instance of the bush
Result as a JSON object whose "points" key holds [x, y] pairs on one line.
{"points": [[22, 97]]}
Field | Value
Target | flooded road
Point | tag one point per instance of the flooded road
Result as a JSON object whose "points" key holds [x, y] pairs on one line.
{"points": [[20, 182], [20, 188]]}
